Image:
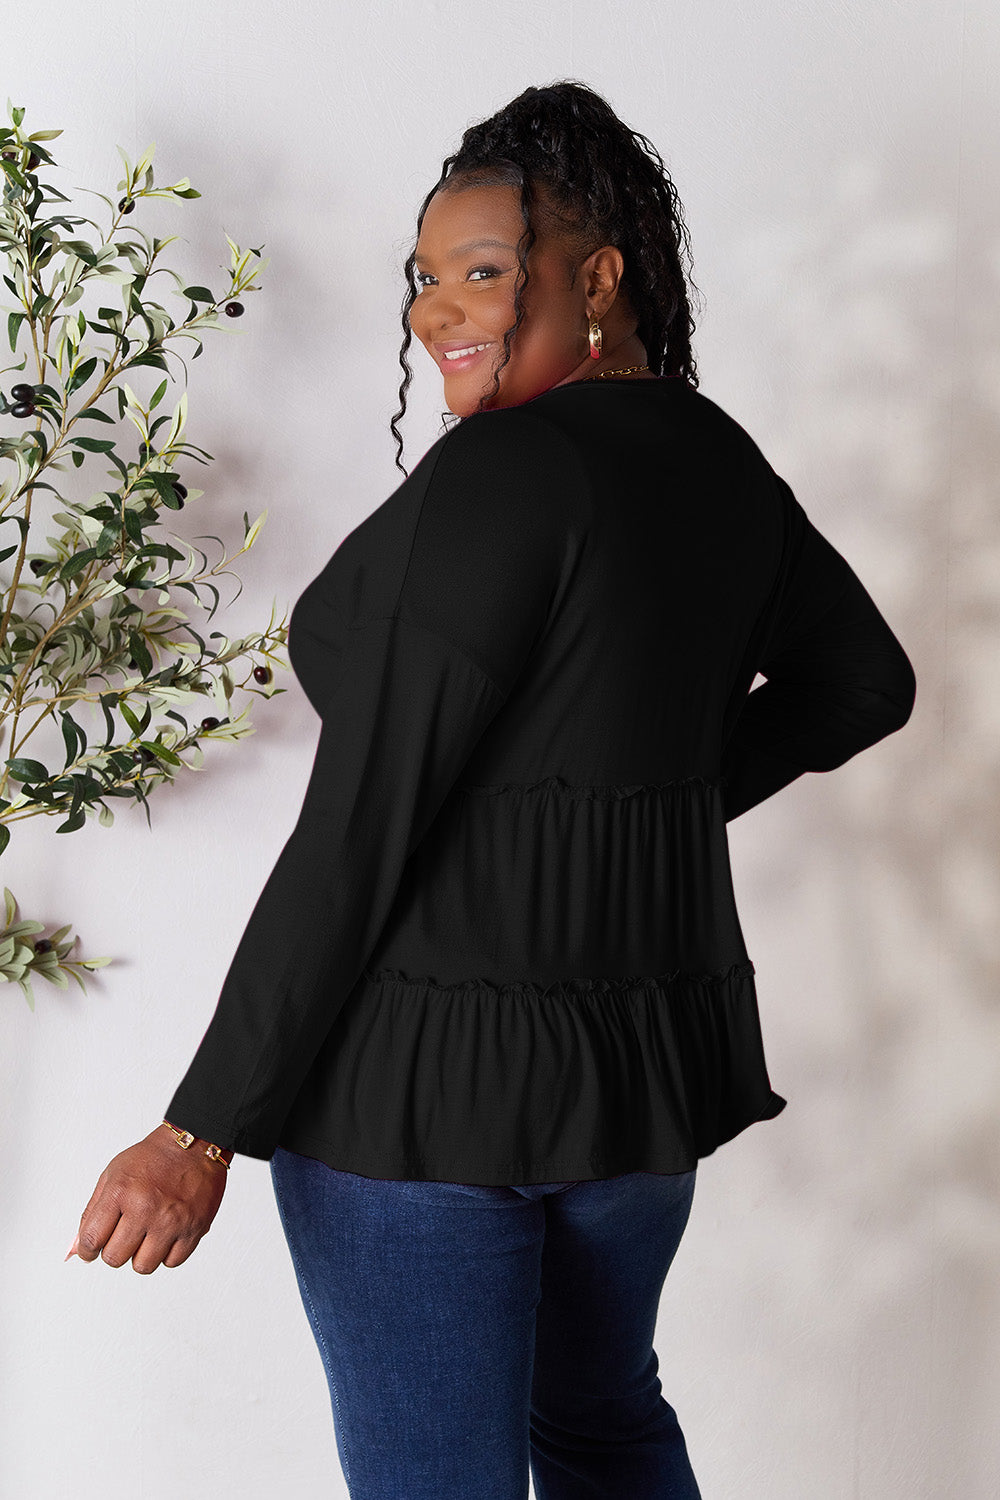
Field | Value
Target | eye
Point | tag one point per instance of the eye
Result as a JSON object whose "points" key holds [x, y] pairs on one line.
{"points": [[422, 276]]}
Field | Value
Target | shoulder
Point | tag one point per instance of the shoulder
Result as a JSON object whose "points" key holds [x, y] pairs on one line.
{"points": [[479, 533], [501, 519], [505, 484], [506, 493]]}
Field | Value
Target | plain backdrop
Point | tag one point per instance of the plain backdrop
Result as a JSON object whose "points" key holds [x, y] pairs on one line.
{"points": [[830, 1325]]}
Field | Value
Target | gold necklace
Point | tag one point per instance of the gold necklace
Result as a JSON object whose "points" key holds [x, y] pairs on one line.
{"points": [[628, 370]]}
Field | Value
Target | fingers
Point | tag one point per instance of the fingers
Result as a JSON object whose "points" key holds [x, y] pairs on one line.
{"points": [[121, 1244], [149, 1209], [98, 1190], [154, 1251], [179, 1251], [151, 1253], [97, 1226]]}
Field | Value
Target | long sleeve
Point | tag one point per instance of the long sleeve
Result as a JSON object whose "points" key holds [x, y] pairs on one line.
{"points": [[406, 644], [838, 679]]}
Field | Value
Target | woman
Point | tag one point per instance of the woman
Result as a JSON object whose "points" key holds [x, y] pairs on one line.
{"points": [[493, 1003]]}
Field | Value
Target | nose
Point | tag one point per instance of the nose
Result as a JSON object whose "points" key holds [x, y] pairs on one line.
{"points": [[441, 308]]}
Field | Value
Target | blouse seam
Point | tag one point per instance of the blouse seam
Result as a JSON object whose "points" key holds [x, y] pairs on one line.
{"points": [[607, 789], [565, 988]]}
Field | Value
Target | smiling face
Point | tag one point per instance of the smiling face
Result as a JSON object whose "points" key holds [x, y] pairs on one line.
{"points": [[466, 271]]}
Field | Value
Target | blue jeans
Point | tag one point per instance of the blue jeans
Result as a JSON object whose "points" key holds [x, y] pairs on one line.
{"points": [[469, 1331]]}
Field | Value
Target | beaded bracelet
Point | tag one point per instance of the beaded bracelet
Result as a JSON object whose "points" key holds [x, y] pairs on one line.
{"points": [[186, 1139]]}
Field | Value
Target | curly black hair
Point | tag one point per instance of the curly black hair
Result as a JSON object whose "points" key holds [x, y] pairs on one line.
{"points": [[602, 184]]}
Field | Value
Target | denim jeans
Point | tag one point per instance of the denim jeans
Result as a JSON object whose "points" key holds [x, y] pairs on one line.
{"points": [[468, 1332]]}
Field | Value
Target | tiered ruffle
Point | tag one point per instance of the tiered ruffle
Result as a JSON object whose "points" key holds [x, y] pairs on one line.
{"points": [[562, 992]]}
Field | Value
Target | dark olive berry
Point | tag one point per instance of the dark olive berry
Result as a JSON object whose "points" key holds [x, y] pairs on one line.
{"points": [[146, 756], [234, 309], [43, 946], [33, 161], [22, 392], [126, 205], [38, 565], [210, 723], [10, 155], [262, 674], [22, 409]]}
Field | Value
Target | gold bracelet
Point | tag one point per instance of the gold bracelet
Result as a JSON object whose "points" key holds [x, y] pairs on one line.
{"points": [[186, 1139]]}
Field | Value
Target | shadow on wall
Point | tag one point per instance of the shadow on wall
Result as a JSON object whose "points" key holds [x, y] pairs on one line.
{"points": [[893, 873]]}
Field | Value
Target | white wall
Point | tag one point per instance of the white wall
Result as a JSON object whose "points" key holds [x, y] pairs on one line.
{"points": [[830, 1324]]}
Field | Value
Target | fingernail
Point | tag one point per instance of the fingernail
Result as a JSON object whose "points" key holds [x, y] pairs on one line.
{"points": [[72, 1249]]}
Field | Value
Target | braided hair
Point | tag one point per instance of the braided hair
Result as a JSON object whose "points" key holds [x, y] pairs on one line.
{"points": [[601, 183]]}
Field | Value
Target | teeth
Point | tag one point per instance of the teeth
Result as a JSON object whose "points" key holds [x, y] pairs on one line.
{"points": [[461, 353]]}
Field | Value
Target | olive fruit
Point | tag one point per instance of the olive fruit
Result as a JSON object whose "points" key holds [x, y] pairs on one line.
{"points": [[22, 392], [126, 205], [43, 945], [210, 723], [234, 309], [262, 674], [38, 565], [22, 409], [33, 161]]}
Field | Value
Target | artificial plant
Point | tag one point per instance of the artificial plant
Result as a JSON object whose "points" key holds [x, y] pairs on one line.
{"points": [[89, 618]]}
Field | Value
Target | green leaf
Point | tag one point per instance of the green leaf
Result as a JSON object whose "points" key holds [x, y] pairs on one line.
{"points": [[94, 445], [24, 769], [37, 435], [14, 321], [4, 837], [198, 294], [74, 736], [162, 752], [164, 486], [141, 652], [108, 700], [129, 717], [77, 563], [83, 252], [158, 394], [95, 413], [156, 360], [108, 539], [12, 171], [81, 375]]}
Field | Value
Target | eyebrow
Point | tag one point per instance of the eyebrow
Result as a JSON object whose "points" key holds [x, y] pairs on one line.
{"points": [[472, 245]]}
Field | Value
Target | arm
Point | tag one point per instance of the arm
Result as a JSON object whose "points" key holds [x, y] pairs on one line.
{"points": [[406, 673], [396, 730], [838, 680]]}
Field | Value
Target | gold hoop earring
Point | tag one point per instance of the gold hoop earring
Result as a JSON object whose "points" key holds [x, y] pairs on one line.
{"points": [[595, 336]]}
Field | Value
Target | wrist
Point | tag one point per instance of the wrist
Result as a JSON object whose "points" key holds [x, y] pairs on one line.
{"points": [[188, 1141]]}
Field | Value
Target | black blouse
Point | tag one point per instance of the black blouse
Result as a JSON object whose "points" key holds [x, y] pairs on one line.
{"points": [[501, 943]]}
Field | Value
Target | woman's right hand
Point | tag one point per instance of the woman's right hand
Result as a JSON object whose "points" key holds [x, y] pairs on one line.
{"points": [[152, 1204]]}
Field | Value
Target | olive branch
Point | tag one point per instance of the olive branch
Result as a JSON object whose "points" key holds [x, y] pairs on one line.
{"points": [[90, 620]]}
